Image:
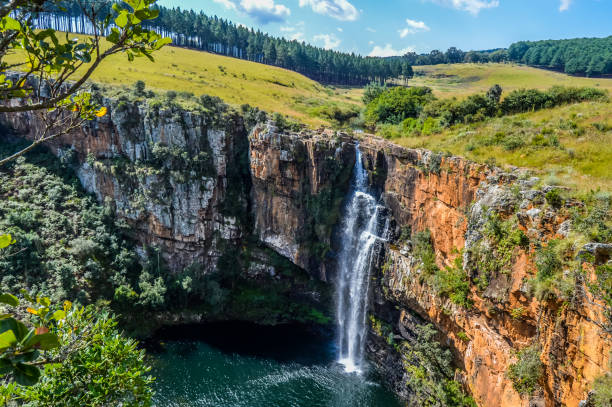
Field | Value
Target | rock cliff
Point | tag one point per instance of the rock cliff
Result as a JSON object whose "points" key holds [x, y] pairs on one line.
{"points": [[201, 187], [457, 201]]}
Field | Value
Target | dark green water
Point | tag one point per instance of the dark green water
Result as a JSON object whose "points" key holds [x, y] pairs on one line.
{"points": [[242, 365]]}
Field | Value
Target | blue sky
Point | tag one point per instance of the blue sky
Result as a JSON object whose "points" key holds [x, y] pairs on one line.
{"points": [[392, 27]]}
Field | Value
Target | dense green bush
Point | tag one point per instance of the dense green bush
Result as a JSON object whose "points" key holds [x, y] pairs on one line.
{"points": [[429, 367], [97, 366], [525, 100], [423, 249], [552, 261], [594, 219], [474, 108], [399, 112], [526, 372], [454, 283], [372, 91], [397, 104], [68, 246]]}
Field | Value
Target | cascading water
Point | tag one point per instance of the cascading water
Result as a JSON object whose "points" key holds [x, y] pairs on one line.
{"points": [[358, 237]]}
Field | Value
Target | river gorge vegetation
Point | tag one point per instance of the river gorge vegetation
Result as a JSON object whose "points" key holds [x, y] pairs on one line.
{"points": [[193, 189]]}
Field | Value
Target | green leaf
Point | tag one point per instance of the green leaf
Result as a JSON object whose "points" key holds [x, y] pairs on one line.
{"points": [[122, 19], [11, 324], [9, 299], [7, 339], [10, 23], [46, 341], [6, 241], [27, 356], [59, 315], [26, 375], [162, 41], [6, 366]]}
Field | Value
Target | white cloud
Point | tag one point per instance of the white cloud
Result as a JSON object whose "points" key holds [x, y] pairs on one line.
{"points": [[329, 41], [472, 6], [263, 11], [287, 29], [565, 4], [226, 3], [413, 28], [299, 37], [340, 29], [338, 9], [388, 51], [370, 29]]}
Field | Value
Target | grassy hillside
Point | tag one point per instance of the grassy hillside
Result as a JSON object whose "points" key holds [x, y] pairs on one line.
{"points": [[461, 80], [569, 145], [235, 81]]}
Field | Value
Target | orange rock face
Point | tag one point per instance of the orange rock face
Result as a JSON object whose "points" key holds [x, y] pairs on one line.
{"points": [[299, 182], [441, 194]]}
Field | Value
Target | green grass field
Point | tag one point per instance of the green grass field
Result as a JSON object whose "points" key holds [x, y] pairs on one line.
{"points": [[461, 80], [569, 145], [235, 81]]}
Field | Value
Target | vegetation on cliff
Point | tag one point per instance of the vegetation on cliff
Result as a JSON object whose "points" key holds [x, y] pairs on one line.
{"points": [[527, 371], [427, 364]]}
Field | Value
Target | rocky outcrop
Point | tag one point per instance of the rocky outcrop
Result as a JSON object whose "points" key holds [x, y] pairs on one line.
{"points": [[455, 199], [165, 171], [195, 185], [299, 183]]}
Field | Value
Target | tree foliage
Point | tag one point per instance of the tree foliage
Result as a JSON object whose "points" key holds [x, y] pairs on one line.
{"points": [[87, 361], [196, 30], [419, 112], [584, 56], [578, 56], [396, 104], [54, 69]]}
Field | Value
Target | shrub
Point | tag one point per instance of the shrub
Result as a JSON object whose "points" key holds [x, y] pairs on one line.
{"points": [[372, 91], [603, 390], [526, 372], [397, 104], [453, 282], [139, 87], [494, 255], [423, 249], [549, 281], [554, 199], [171, 95], [525, 100], [594, 220]]}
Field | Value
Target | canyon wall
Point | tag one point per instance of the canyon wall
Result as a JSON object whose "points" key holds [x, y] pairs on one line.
{"points": [[201, 187], [454, 199]]}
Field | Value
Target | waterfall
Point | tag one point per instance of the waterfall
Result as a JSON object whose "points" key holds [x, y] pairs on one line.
{"points": [[360, 232]]}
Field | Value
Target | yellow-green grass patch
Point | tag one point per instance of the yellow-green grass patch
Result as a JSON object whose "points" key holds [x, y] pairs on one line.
{"points": [[461, 80], [234, 80], [582, 158]]}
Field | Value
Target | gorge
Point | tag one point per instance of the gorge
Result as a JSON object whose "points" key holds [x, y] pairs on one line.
{"points": [[261, 207]]}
